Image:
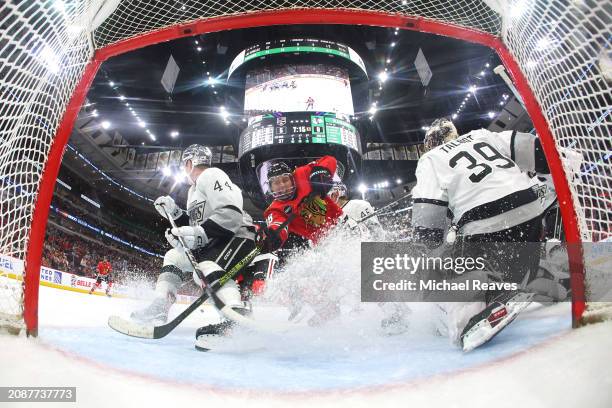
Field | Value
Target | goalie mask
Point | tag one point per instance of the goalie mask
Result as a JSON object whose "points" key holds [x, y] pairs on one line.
{"points": [[281, 181], [441, 131], [198, 155]]}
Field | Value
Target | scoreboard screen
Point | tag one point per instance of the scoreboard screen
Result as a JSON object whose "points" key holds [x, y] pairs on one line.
{"points": [[298, 128], [296, 45]]}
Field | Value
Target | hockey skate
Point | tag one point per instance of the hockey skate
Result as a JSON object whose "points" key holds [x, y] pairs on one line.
{"points": [[498, 314], [210, 335], [156, 313]]}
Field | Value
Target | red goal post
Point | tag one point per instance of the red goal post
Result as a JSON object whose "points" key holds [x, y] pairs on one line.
{"points": [[50, 54]]}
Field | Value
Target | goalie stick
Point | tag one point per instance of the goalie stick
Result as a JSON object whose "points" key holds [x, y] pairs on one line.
{"points": [[134, 329]]}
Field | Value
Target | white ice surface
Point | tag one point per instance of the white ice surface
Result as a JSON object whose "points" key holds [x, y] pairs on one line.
{"points": [[537, 362]]}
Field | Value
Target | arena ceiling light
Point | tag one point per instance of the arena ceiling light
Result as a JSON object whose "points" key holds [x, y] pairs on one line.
{"points": [[174, 134], [472, 89], [50, 59], [166, 172], [362, 188], [142, 124], [106, 124], [224, 113], [543, 43], [179, 177], [455, 116], [383, 76], [398, 181], [491, 115], [518, 9]]}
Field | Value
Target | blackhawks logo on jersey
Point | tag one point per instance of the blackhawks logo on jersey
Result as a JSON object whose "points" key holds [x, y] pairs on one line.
{"points": [[313, 211]]}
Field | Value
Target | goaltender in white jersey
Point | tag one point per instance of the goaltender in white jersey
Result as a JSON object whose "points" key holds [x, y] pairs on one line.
{"points": [[482, 180]]}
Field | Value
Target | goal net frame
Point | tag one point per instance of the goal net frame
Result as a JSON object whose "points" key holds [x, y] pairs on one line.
{"points": [[50, 160]]}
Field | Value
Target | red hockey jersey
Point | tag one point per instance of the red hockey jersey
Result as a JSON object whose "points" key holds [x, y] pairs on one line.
{"points": [[104, 268], [315, 214]]}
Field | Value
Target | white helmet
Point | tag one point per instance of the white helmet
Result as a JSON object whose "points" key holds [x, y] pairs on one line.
{"points": [[198, 155], [441, 131], [338, 191]]}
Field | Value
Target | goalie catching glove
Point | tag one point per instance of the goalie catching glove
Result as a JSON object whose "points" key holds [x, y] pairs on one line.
{"points": [[165, 206], [194, 237]]}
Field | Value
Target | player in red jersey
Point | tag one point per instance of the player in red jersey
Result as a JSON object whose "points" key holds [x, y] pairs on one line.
{"points": [[303, 193], [104, 274]]}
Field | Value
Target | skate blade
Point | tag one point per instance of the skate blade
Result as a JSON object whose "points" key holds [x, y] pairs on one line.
{"points": [[483, 332], [208, 342]]}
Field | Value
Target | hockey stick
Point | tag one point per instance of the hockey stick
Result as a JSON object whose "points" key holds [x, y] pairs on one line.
{"points": [[134, 329], [387, 207]]}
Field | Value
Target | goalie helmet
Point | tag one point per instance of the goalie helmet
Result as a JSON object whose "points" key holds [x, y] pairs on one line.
{"points": [[198, 155], [441, 131], [281, 181]]}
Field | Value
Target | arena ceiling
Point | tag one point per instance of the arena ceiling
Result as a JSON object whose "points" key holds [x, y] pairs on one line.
{"points": [[404, 105], [127, 94]]}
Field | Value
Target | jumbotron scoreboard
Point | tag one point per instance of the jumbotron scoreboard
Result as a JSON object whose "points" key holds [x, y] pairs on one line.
{"points": [[298, 128]]}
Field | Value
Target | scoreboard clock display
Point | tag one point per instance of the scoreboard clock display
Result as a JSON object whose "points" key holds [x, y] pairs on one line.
{"points": [[298, 128]]}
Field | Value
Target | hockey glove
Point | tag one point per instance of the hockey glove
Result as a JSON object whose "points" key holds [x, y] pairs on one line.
{"points": [[320, 181], [194, 237], [268, 239], [166, 204]]}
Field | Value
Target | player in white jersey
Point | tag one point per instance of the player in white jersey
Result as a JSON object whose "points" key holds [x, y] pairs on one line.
{"points": [[396, 314], [220, 234], [355, 210], [481, 179]]}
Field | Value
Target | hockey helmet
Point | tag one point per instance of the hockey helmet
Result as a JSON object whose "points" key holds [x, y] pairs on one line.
{"points": [[338, 191], [198, 155], [441, 131], [281, 181]]}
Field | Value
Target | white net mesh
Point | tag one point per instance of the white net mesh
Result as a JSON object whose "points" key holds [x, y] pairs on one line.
{"points": [[42, 56], [562, 47]]}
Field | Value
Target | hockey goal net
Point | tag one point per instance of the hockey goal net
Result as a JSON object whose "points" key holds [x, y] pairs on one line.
{"points": [[556, 51]]}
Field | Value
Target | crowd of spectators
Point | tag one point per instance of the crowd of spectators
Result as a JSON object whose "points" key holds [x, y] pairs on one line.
{"points": [[107, 220], [70, 251], [266, 74]]}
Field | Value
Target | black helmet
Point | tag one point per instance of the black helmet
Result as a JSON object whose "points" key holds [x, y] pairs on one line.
{"points": [[281, 169]]}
